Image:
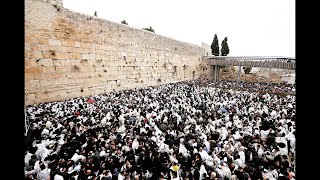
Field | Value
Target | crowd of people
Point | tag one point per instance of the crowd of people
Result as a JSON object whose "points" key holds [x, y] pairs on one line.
{"points": [[264, 87], [183, 131]]}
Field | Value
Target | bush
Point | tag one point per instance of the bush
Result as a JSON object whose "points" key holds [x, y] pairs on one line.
{"points": [[247, 70]]}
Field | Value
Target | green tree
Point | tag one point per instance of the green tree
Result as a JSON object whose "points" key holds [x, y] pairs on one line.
{"points": [[124, 22], [215, 46], [149, 29], [246, 69], [95, 13], [224, 47]]}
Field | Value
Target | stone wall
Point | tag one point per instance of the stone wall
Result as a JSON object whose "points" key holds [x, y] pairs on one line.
{"points": [[68, 54], [206, 49]]}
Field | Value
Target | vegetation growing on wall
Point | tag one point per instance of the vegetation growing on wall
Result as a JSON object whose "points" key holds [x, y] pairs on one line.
{"points": [[124, 22], [149, 29]]}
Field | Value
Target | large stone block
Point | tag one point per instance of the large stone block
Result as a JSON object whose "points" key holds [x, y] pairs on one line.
{"points": [[54, 42], [33, 70]]}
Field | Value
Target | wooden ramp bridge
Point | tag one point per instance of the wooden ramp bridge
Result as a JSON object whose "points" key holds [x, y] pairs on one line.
{"points": [[270, 62]]}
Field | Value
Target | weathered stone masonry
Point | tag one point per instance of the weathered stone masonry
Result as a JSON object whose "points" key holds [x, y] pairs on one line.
{"points": [[69, 54]]}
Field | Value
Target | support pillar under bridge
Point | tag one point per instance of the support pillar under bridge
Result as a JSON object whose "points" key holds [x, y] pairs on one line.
{"points": [[216, 72]]}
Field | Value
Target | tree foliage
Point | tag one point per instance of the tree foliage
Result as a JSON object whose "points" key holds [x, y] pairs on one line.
{"points": [[149, 29], [124, 22], [95, 13], [215, 46], [247, 69], [224, 47]]}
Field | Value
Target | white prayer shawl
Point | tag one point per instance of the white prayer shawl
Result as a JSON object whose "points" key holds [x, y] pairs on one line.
{"points": [[194, 145], [282, 151], [153, 138], [273, 113], [226, 171], [178, 119], [61, 113], [203, 136], [209, 161], [236, 135], [173, 159], [135, 144], [173, 133], [264, 134], [197, 128], [121, 119], [48, 124], [108, 116], [285, 112], [251, 109], [248, 130], [228, 124], [121, 129], [237, 145], [202, 171], [71, 169], [161, 146], [223, 133], [242, 156], [217, 150], [157, 130], [45, 131], [75, 157], [260, 152], [292, 142], [84, 145], [207, 144], [125, 148], [60, 125], [27, 158], [216, 158], [183, 150], [103, 122], [40, 151], [204, 155], [151, 123], [102, 153], [58, 177], [268, 175], [48, 142], [220, 172], [36, 167], [45, 152], [239, 162]]}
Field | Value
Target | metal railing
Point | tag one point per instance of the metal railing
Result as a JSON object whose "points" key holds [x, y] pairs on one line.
{"points": [[253, 61]]}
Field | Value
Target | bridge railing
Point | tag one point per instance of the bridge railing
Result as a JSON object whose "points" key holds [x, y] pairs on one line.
{"points": [[264, 62]]}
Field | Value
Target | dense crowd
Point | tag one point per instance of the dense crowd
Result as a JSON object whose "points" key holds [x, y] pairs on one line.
{"points": [[187, 130], [269, 87]]}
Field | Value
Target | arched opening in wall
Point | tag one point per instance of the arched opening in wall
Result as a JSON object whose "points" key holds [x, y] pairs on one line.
{"points": [[193, 74]]}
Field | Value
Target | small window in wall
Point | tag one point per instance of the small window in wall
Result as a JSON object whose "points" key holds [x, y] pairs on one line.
{"points": [[124, 58]]}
